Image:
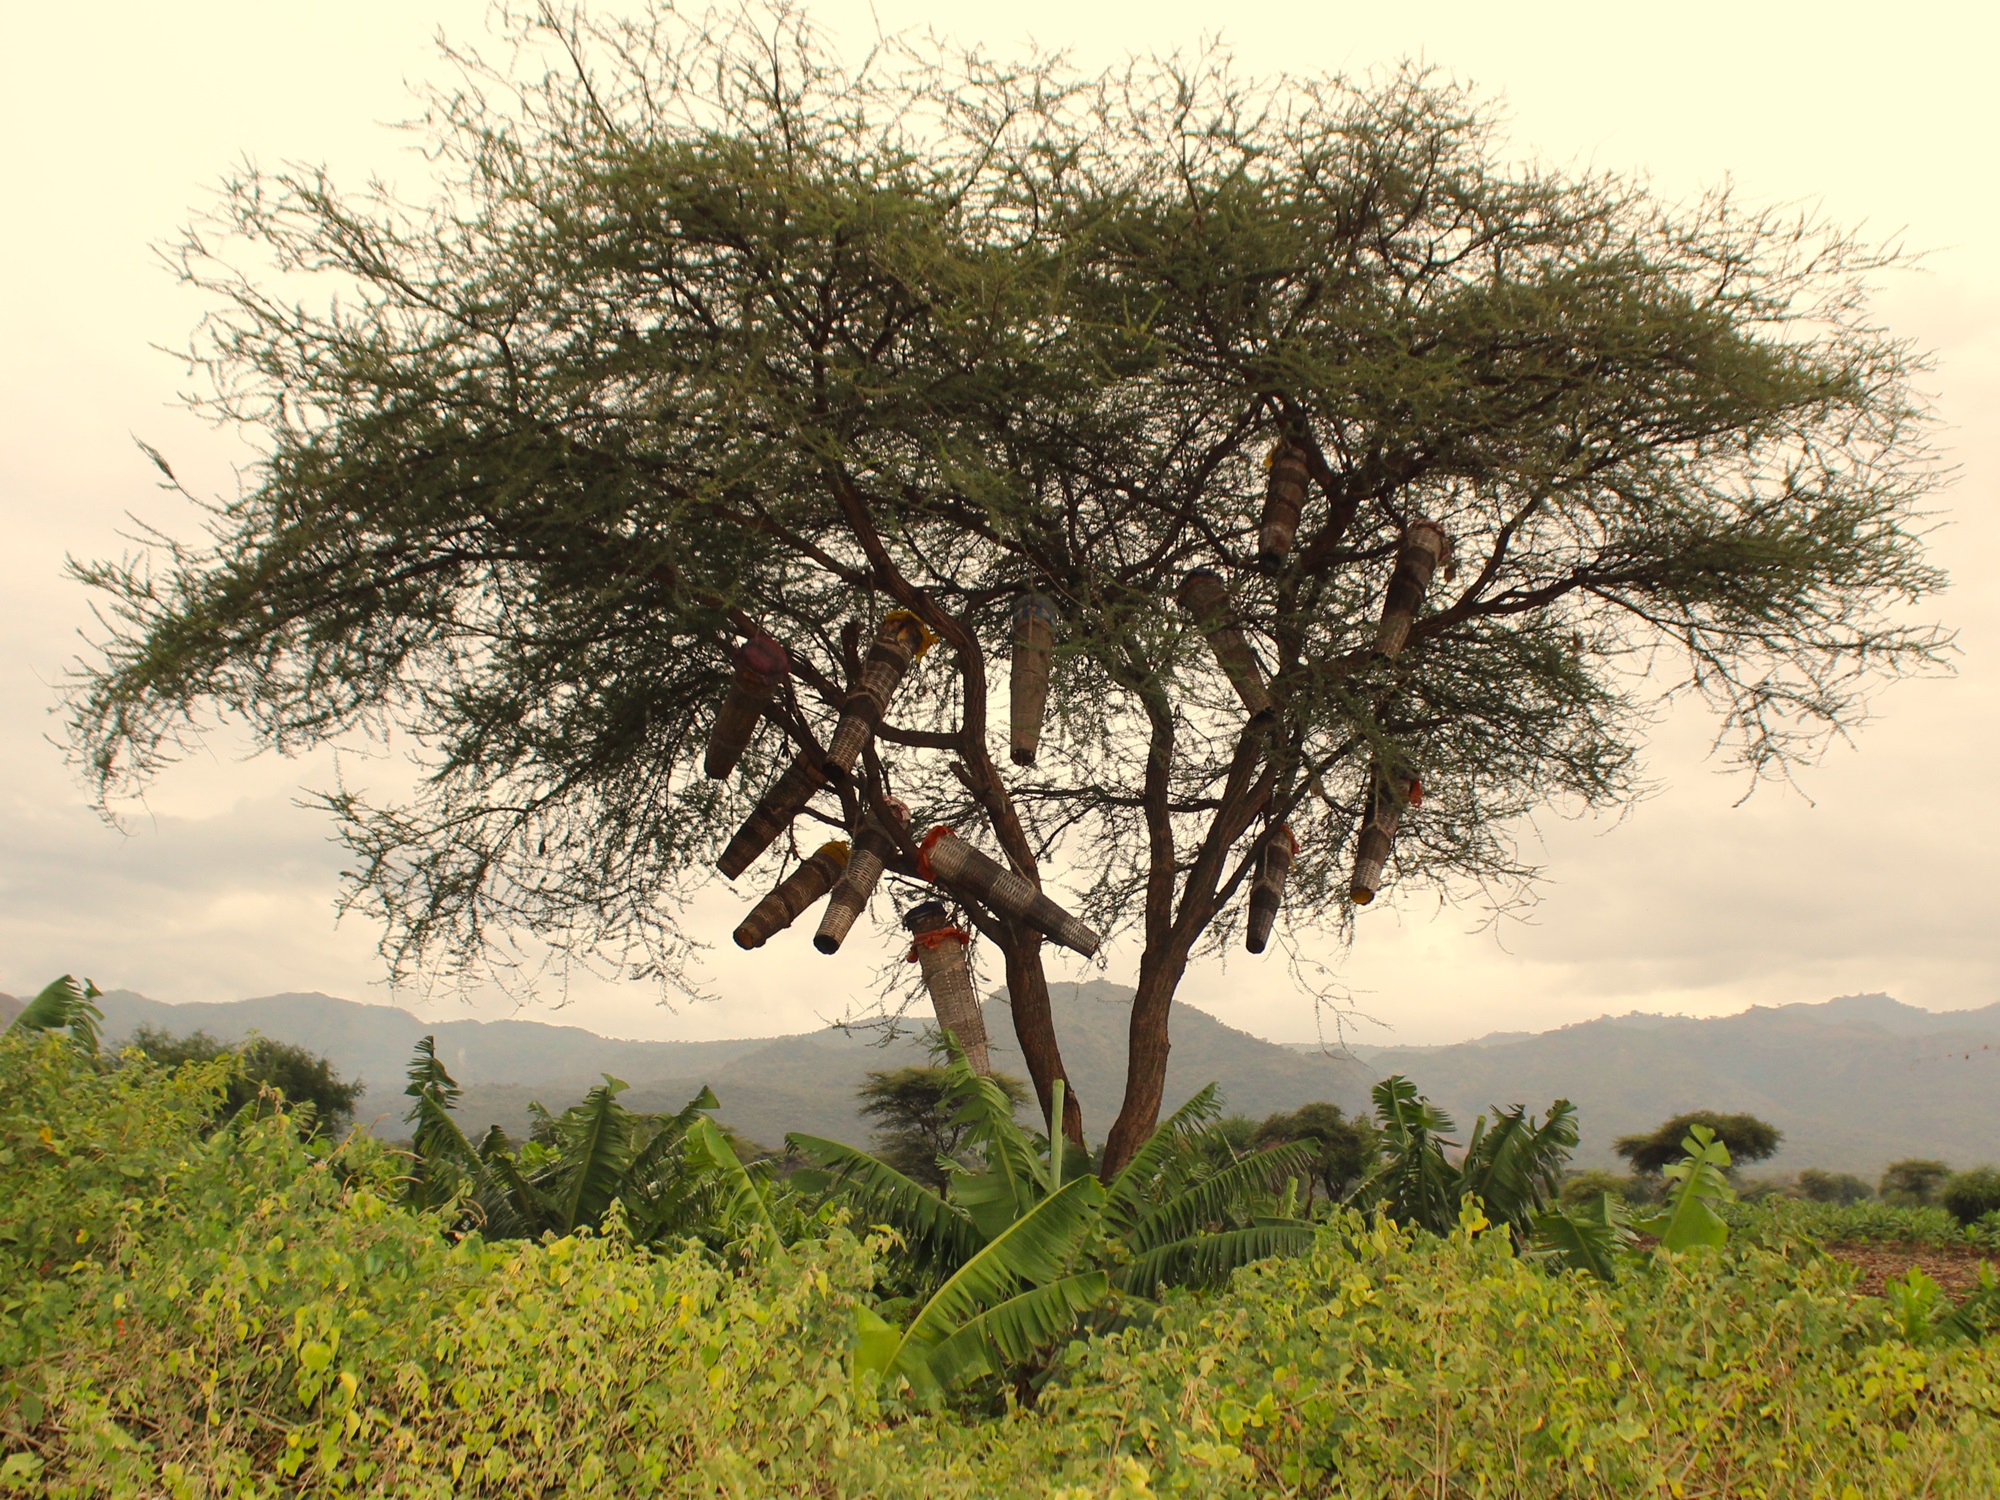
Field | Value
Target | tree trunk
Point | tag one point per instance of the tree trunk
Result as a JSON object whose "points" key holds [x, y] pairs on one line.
{"points": [[1035, 1027], [1146, 1058]]}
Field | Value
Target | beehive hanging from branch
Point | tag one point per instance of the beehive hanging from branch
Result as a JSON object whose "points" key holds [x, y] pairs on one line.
{"points": [[953, 862], [797, 891], [761, 664], [874, 847], [1035, 623], [941, 949], [773, 814], [1284, 496], [1424, 547], [1267, 889], [1390, 791], [899, 640], [1206, 598]]}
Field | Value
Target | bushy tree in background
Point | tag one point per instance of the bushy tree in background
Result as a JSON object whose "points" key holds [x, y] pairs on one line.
{"points": [[707, 336], [1593, 1183], [1969, 1196], [918, 1120], [1913, 1183], [302, 1077], [1832, 1187], [1748, 1138], [1343, 1149]]}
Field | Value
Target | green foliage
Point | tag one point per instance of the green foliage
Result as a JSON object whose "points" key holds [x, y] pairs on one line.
{"points": [[671, 1175], [1343, 1149], [1748, 1139], [1698, 1187], [198, 1312], [918, 1126], [64, 1005], [1015, 1248], [297, 1076], [1590, 1235], [1788, 1220], [1833, 1187], [1913, 1183], [1514, 1168], [1970, 1196]]}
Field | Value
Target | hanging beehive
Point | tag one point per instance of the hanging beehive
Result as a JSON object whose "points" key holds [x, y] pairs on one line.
{"points": [[950, 859], [1035, 623], [773, 814], [1267, 890], [1284, 495], [1424, 547], [899, 640], [797, 891], [1204, 596], [1389, 792], [941, 949], [874, 847], [760, 664]]}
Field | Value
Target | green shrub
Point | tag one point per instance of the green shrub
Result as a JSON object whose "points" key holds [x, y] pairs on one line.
{"points": [[1971, 1196], [1913, 1183], [1833, 1187], [1593, 1183]]}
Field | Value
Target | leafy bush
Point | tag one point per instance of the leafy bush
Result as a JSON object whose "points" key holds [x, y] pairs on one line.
{"points": [[1593, 1183], [1832, 1187], [1343, 1149], [1913, 1183], [1970, 1196], [1798, 1221], [299, 1076]]}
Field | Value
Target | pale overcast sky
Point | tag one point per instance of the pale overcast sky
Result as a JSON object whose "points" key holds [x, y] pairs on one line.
{"points": [[120, 118]]}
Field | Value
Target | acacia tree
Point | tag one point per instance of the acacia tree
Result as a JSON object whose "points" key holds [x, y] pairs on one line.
{"points": [[708, 338]]}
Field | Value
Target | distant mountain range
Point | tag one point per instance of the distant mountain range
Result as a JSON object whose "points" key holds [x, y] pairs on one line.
{"points": [[1854, 1083]]}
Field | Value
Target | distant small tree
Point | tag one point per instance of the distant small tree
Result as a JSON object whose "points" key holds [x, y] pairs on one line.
{"points": [[1913, 1183], [918, 1118], [1344, 1149], [1833, 1187], [1229, 1138], [1970, 1196], [1748, 1138], [301, 1076]]}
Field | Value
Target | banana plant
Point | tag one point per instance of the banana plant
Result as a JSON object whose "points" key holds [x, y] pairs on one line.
{"points": [[1514, 1167], [1014, 1252], [64, 1005], [672, 1175], [1699, 1182]]}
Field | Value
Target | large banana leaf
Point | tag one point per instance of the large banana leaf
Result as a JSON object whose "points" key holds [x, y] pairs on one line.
{"points": [[1014, 1176], [1013, 1331], [1690, 1218], [1587, 1237], [1414, 1183], [593, 1149], [938, 1234], [1515, 1168], [1033, 1251], [1215, 1200], [1133, 1189], [660, 1160], [739, 1196], [1209, 1259], [64, 1005]]}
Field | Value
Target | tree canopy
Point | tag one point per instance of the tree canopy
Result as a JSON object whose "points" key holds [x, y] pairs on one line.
{"points": [[707, 338], [1747, 1137]]}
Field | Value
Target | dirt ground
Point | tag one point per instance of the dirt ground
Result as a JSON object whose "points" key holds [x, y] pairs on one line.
{"points": [[1955, 1268]]}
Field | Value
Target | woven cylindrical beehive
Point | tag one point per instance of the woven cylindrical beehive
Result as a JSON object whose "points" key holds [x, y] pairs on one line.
{"points": [[1284, 495], [798, 890], [900, 640], [773, 814], [1028, 681], [941, 949], [874, 847], [1424, 546], [1204, 596], [1390, 791], [951, 860], [760, 664], [1267, 891]]}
